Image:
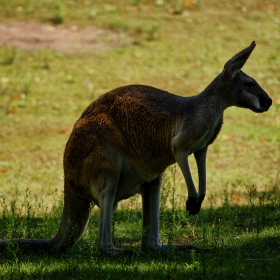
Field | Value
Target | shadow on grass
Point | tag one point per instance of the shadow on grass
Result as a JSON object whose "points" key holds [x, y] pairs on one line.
{"points": [[249, 260], [244, 242]]}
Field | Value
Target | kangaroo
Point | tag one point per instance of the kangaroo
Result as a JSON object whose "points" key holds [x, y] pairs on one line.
{"points": [[124, 141]]}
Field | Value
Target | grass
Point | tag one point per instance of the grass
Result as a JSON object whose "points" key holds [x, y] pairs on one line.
{"points": [[243, 242], [179, 46]]}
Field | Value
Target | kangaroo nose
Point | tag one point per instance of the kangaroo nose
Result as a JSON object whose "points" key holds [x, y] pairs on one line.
{"points": [[268, 103]]}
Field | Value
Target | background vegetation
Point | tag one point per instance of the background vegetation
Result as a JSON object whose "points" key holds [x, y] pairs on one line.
{"points": [[176, 45]]}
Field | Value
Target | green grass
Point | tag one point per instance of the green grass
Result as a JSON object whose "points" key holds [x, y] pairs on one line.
{"points": [[171, 45], [243, 242]]}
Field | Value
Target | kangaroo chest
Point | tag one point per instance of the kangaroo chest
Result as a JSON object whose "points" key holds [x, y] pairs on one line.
{"points": [[207, 135]]}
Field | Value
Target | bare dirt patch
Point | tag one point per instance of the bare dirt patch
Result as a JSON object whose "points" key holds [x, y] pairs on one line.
{"points": [[30, 35]]}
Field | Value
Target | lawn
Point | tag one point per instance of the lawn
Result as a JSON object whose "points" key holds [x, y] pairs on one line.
{"points": [[178, 46]]}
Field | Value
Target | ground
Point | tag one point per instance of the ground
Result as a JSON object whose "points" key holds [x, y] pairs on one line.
{"points": [[34, 35]]}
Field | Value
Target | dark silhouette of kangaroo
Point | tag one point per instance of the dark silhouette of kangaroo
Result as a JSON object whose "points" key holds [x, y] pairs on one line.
{"points": [[123, 142]]}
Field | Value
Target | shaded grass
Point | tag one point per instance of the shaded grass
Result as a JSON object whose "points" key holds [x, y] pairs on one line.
{"points": [[243, 242]]}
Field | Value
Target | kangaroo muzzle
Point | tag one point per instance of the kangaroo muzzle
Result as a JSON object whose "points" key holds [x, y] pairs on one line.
{"points": [[265, 104]]}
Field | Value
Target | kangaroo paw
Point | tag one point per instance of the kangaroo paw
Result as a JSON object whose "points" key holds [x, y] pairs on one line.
{"points": [[193, 206]]}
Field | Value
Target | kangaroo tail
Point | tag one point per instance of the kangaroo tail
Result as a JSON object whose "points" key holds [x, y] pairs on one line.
{"points": [[73, 223]]}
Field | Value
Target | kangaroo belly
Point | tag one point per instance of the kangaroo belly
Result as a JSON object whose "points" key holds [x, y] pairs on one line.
{"points": [[127, 190], [130, 181]]}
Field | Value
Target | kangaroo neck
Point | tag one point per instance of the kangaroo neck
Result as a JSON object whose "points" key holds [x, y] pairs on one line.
{"points": [[211, 102]]}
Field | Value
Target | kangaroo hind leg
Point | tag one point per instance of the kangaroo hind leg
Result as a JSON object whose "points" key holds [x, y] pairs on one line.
{"points": [[104, 189]]}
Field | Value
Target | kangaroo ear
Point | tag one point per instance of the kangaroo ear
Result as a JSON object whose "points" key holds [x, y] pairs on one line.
{"points": [[233, 66]]}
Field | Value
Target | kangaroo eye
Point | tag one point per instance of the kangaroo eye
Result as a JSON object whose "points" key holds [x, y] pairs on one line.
{"points": [[248, 84]]}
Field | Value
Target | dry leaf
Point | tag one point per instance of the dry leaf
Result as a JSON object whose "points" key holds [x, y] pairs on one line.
{"points": [[189, 3], [227, 137], [236, 198], [63, 130], [272, 7], [186, 237]]}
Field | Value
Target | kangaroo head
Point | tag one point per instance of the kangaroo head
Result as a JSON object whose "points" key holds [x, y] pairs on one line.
{"points": [[243, 90]]}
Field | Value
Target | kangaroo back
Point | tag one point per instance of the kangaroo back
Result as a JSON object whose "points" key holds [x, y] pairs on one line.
{"points": [[138, 121]]}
